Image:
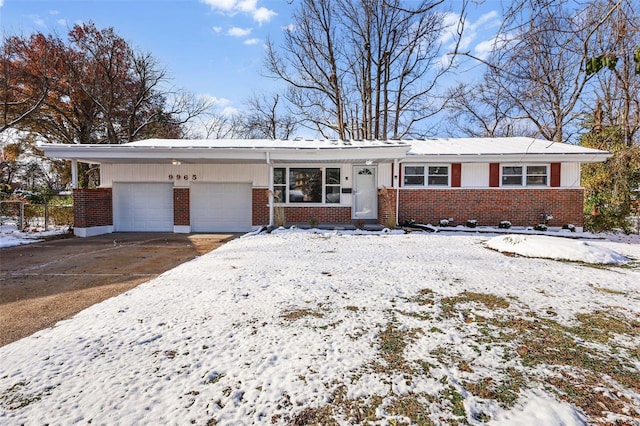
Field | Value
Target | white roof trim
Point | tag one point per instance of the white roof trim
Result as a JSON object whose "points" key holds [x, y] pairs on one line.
{"points": [[475, 150]]}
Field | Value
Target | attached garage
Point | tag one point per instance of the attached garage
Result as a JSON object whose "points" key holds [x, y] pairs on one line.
{"points": [[143, 207], [220, 207]]}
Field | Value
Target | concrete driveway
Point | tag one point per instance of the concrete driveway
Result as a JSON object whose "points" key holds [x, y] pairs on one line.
{"points": [[43, 283]]}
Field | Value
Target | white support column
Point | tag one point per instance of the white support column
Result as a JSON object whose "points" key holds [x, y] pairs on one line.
{"points": [[271, 221], [74, 174], [396, 185]]}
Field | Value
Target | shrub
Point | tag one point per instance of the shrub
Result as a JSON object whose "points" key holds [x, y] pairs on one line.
{"points": [[504, 224]]}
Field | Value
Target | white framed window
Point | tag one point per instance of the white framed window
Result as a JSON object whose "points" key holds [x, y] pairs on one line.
{"points": [[310, 185], [438, 175], [525, 175], [426, 175], [413, 175]]}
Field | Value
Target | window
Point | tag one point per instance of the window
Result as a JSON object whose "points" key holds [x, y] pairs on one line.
{"points": [[414, 175], [511, 175], [434, 176], [525, 175], [332, 186], [306, 185], [279, 185], [536, 175], [438, 175]]}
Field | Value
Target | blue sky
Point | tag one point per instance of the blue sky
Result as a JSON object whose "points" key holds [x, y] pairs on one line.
{"points": [[212, 48]]}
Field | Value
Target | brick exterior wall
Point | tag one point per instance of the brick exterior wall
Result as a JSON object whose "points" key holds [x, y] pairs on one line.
{"points": [[323, 215], [260, 207], [522, 207], [92, 207], [387, 207], [297, 214], [181, 212]]}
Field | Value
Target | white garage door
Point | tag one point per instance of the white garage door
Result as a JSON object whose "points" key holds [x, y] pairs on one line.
{"points": [[220, 207], [145, 207]]}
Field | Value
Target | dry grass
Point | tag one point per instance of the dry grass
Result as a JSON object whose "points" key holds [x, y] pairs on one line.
{"points": [[297, 314], [579, 361]]}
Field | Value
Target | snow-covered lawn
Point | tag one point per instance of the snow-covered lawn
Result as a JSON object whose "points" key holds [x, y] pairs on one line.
{"points": [[320, 328], [10, 236]]}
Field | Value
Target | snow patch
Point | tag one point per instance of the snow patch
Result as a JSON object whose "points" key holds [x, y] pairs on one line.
{"points": [[542, 246]]}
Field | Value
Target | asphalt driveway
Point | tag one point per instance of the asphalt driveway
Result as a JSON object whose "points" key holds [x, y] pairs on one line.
{"points": [[43, 283]]}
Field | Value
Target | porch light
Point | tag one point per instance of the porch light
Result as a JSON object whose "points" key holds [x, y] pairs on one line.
{"points": [[176, 162]]}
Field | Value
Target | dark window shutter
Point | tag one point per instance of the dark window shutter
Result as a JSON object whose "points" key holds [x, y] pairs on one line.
{"points": [[555, 174], [456, 174], [494, 175]]}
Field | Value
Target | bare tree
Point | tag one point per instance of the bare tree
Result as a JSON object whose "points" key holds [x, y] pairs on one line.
{"points": [[617, 87], [365, 69], [265, 117], [539, 59], [484, 110], [215, 125]]}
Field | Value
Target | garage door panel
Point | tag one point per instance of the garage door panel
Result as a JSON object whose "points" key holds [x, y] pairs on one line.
{"points": [[220, 207], [143, 207]]}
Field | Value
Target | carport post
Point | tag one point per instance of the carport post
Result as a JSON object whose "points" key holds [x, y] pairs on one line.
{"points": [[396, 185], [270, 189], [74, 174]]}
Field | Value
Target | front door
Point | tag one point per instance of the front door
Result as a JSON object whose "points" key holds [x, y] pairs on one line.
{"points": [[365, 195]]}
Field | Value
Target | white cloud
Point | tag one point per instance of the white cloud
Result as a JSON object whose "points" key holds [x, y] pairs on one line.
{"points": [[247, 5], [1, 2], [217, 29], [230, 111], [225, 5], [483, 49], [252, 41], [239, 32], [483, 28], [450, 21], [231, 7], [492, 17], [262, 15], [37, 20], [215, 101], [62, 22], [290, 27]]}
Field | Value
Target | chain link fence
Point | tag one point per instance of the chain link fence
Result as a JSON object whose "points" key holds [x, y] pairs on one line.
{"points": [[55, 211]]}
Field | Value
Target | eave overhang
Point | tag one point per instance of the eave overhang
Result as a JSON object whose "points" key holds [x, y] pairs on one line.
{"points": [[592, 157], [99, 154]]}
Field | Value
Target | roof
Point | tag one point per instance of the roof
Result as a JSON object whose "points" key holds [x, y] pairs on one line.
{"points": [[231, 151], [298, 144], [516, 149]]}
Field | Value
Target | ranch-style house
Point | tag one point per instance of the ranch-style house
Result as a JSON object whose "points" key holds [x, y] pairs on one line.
{"points": [[191, 186]]}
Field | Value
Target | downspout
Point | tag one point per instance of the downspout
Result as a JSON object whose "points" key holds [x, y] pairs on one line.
{"points": [[74, 174], [396, 174], [270, 189]]}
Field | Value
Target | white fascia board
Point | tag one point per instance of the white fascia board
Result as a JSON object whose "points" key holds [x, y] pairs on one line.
{"points": [[122, 153], [510, 158], [339, 154]]}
